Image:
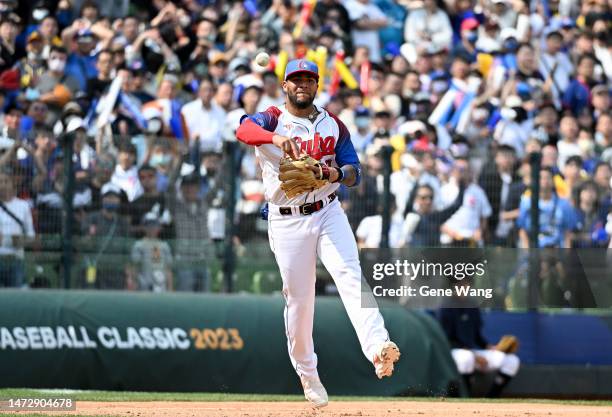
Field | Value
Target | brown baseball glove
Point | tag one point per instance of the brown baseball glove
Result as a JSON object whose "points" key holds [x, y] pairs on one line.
{"points": [[300, 176], [508, 344]]}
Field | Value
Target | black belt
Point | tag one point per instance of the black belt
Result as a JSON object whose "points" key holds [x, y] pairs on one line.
{"points": [[308, 208]]}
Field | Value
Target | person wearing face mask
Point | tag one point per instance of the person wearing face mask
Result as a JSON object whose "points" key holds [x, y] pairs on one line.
{"points": [[104, 243], [514, 127], [163, 159], [55, 86], [469, 36], [504, 63], [32, 66], [362, 135]]}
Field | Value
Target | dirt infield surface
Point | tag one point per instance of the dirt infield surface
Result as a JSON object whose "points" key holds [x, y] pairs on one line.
{"points": [[337, 409]]}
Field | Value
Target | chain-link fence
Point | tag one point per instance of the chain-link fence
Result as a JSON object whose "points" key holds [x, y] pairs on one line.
{"points": [[149, 213]]}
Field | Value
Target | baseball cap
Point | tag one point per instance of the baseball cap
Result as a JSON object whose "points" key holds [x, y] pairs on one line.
{"points": [[297, 66], [34, 36], [469, 24], [362, 112], [217, 57]]}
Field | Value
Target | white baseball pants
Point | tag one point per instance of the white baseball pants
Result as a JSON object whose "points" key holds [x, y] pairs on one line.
{"points": [[296, 240], [506, 363]]}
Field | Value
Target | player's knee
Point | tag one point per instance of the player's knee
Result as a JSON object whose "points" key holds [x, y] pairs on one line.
{"points": [[511, 364], [465, 360]]}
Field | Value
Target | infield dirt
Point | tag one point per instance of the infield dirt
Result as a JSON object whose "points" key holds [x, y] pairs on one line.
{"points": [[337, 409]]}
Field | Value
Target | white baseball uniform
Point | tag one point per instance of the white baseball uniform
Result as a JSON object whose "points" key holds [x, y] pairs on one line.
{"points": [[297, 239], [465, 359]]}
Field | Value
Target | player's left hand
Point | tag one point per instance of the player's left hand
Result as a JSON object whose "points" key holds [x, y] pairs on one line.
{"points": [[300, 176]]}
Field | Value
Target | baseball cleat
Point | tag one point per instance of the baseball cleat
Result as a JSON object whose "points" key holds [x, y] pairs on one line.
{"points": [[314, 391], [385, 359]]}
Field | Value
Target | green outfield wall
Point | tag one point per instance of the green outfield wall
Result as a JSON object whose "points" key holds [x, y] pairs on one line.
{"points": [[192, 342]]}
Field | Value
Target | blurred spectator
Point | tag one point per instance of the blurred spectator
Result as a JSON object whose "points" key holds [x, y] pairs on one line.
{"points": [[10, 52], [362, 201], [577, 95], [151, 202], [38, 112], [204, 119], [572, 176], [105, 243], [555, 216], [426, 26], [33, 65], [224, 96], [497, 180], [546, 125], [248, 99], [602, 175], [11, 124], [469, 37], [369, 231], [49, 31], [56, 87], [467, 226], [104, 64], [555, 63], [126, 172], [567, 145], [152, 259], [590, 218], [600, 100], [271, 95], [162, 155], [362, 136], [168, 107], [189, 211], [366, 19], [421, 226], [415, 170], [16, 230]]}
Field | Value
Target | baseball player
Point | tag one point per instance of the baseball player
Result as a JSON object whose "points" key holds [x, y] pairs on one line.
{"points": [[471, 352], [306, 221]]}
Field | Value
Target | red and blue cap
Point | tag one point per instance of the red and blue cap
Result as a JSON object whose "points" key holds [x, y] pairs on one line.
{"points": [[298, 66]]}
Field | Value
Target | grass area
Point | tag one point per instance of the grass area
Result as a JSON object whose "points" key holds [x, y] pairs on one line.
{"points": [[208, 397]]}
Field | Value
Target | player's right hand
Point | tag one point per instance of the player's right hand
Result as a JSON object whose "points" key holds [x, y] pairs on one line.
{"points": [[287, 145]]}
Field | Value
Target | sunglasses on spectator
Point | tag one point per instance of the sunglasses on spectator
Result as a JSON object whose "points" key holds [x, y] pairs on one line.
{"points": [[424, 197]]}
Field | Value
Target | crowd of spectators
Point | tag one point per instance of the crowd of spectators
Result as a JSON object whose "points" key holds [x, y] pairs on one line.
{"points": [[149, 92]]}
